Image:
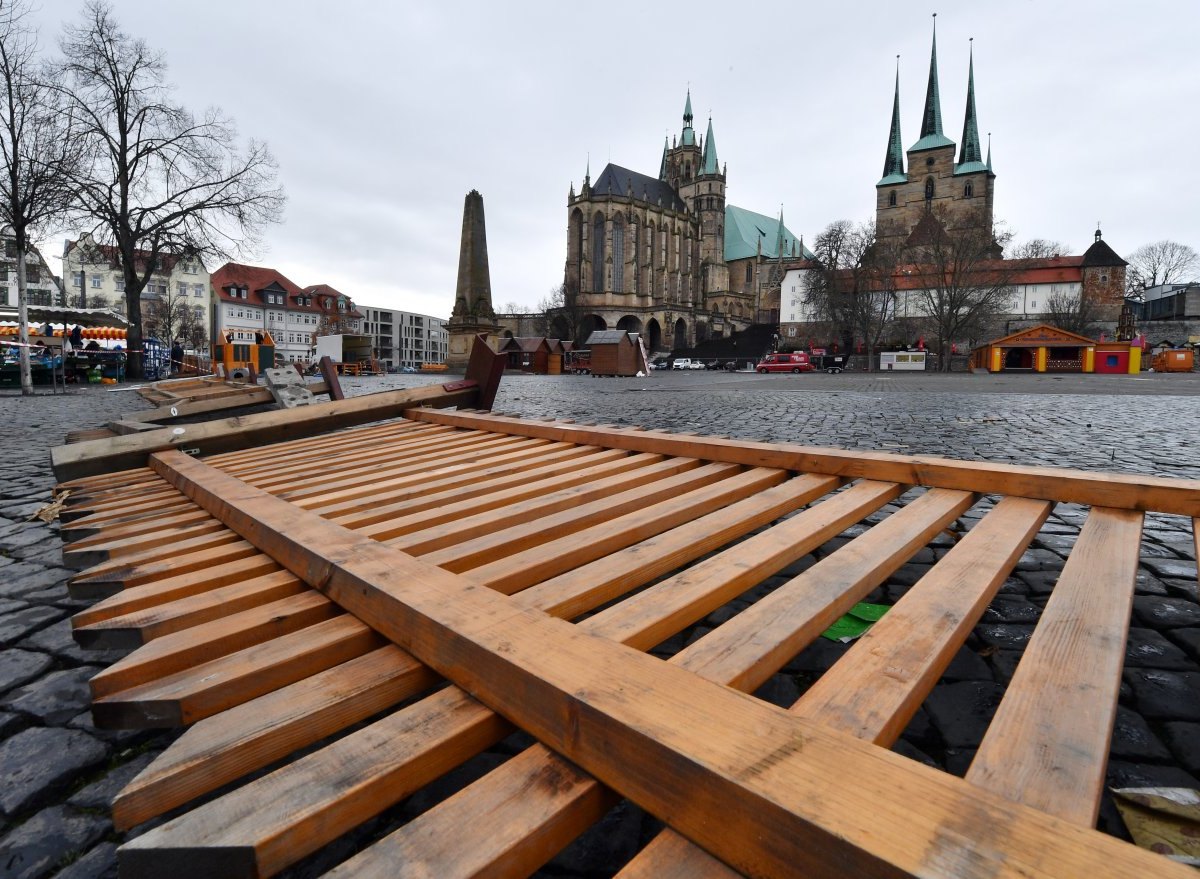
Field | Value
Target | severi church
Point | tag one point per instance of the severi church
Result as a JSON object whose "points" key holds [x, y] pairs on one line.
{"points": [[666, 256]]}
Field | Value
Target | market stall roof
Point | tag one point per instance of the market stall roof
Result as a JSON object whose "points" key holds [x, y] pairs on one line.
{"points": [[84, 317]]}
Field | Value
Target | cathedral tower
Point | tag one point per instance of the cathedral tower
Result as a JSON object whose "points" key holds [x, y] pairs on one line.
{"points": [[957, 195]]}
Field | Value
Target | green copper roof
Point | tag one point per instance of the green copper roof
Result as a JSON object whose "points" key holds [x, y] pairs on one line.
{"points": [[710, 152], [970, 153], [744, 230], [931, 121], [893, 161], [688, 137]]}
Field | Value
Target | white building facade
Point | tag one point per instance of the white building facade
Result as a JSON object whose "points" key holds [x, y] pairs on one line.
{"points": [[43, 288], [402, 338], [93, 271]]}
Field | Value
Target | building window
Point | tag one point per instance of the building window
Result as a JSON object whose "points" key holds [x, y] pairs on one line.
{"points": [[1104, 279], [198, 291], [749, 272], [618, 281], [77, 279], [892, 199], [182, 289], [969, 190], [929, 189], [598, 253]]}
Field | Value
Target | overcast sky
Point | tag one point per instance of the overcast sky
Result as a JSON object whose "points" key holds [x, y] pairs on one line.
{"points": [[383, 116]]}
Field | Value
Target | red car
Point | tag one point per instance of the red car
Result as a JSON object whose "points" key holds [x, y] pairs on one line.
{"points": [[795, 362]]}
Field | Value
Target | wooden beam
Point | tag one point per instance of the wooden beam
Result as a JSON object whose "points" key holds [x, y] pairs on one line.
{"points": [[1119, 490], [694, 750], [124, 452]]}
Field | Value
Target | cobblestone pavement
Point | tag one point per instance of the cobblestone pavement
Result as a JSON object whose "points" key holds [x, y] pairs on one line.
{"points": [[59, 773]]}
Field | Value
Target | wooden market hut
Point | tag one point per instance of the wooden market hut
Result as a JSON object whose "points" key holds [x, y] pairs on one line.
{"points": [[1044, 348], [613, 353], [554, 361], [528, 354]]}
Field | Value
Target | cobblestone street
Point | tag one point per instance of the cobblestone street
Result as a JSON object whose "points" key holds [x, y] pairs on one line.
{"points": [[60, 773]]}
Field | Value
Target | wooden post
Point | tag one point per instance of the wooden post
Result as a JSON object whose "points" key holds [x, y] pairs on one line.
{"points": [[485, 368], [330, 374]]}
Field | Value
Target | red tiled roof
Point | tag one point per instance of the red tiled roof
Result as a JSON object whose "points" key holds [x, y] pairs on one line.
{"points": [[323, 293], [258, 278]]}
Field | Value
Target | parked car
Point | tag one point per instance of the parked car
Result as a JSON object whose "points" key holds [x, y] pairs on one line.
{"points": [[797, 361], [696, 364], [716, 364], [681, 363], [660, 363]]}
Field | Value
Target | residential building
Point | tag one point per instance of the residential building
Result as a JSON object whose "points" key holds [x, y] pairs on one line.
{"points": [[402, 338], [665, 255], [1175, 302], [93, 273], [253, 300], [42, 286]]}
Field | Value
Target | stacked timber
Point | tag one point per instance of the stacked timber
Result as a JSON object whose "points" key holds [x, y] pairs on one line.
{"points": [[449, 577]]}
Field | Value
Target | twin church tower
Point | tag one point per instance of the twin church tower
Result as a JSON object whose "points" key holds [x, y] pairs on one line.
{"points": [[666, 255], [936, 188]]}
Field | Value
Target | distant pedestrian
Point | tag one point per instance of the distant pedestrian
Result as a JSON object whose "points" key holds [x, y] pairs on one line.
{"points": [[77, 337], [176, 358]]}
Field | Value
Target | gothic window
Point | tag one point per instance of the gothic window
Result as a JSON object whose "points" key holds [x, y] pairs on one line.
{"points": [[618, 251], [968, 190], [749, 272], [929, 189], [633, 247], [892, 199], [598, 252], [662, 249]]}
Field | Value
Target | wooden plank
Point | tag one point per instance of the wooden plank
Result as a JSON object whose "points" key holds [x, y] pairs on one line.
{"points": [[250, 397], [525, 522], [137, 627], [123, 452], [182, 650], [577, 591], [873, 691], [206, 689], [1125, 491], [315, 445], [188, 572], [752, 646], [1047, 745], [403, 486], [244, 738], [146, 545], [248, 737], [695, 746], [520, 570]]}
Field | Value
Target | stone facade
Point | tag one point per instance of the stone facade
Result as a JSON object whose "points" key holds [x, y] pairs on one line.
{"points": [[666, 256], [473, 314]]}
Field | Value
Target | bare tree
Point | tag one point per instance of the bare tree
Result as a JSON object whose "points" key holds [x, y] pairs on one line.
{"points": [[959, 281], [560, 309], [1072, 312], [853, 287], [161, 181], [171, 317], [1162, 262], [1038, 248], [37, 149]]}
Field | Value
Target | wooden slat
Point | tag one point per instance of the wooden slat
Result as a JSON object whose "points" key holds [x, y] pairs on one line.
{"points": [[770, 772], [246, 566], [183, 650], [248, 736], [1124, 491], [203, 690], [122, 452], [137, 627], [873, 691], [1048, 743]]}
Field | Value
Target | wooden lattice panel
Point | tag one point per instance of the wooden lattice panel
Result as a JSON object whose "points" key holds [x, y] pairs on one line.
{"points": [[282, 596]]}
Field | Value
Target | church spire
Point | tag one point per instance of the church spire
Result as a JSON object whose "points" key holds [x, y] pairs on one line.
{"points": [[710, 151], [893, 161], [969, 151], [780, 235], [931, 122], [662, 168], [688, 137], [989, 158]]}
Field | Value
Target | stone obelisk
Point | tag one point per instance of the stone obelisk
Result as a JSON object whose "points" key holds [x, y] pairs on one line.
{"points": [[473, 313]]}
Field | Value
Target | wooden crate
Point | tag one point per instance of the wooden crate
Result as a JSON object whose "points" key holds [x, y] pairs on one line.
{"points": [[449, 577]]}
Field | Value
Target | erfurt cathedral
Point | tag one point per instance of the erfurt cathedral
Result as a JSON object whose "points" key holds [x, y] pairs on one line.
{"points": [[666, 256]]}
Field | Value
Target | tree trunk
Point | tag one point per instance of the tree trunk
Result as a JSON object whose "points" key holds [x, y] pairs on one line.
{"points": [[133, 341], [23, 322]]}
